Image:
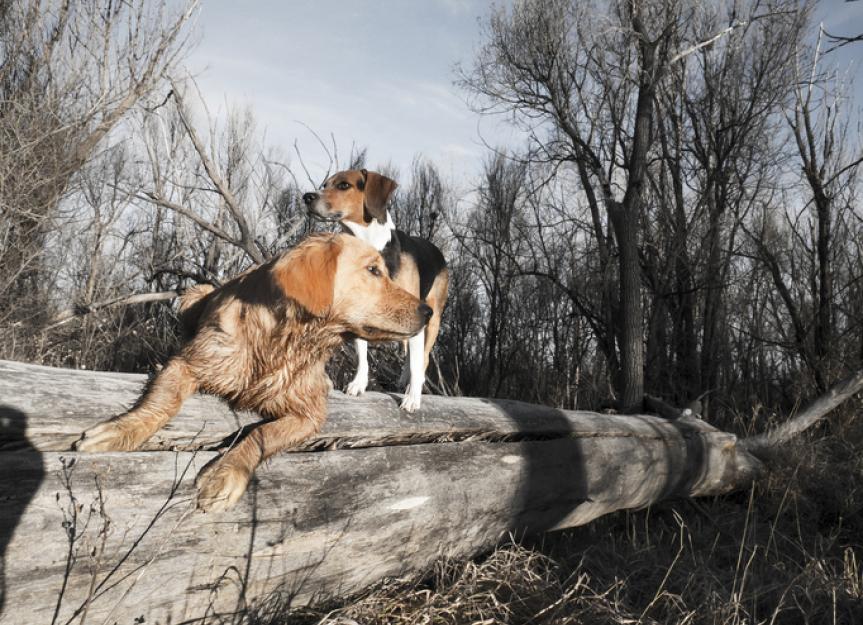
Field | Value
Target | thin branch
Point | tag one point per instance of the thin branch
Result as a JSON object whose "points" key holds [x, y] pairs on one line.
{"points": [[246, 242], [182, 210], [840, 41], [684, 53], [69, 314]]}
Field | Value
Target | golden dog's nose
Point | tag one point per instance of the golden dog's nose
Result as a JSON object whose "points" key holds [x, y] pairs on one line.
{"points": [[308, 198]]}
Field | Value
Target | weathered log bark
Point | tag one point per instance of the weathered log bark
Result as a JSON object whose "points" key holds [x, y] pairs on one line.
{"points": [[377, 493]]}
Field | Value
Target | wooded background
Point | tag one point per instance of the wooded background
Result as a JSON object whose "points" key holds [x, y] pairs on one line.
{"points": [[682, 218]]}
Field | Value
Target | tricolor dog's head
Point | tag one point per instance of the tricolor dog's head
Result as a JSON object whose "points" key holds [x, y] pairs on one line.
{"points": [[343, 279], [357, 196]]}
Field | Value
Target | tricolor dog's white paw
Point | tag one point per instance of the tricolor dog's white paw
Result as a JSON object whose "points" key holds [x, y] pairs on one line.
{"points": [[220, 486], [357, 386], [412, 399]]}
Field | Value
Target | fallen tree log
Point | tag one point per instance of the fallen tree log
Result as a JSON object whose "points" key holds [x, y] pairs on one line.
{"points": [[114, 537]]}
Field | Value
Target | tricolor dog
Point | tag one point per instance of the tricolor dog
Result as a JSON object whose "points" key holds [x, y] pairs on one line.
{"points": [[357, 199]]}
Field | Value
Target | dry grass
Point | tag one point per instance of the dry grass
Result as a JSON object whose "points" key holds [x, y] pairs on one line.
{"points": [[788, 551]]}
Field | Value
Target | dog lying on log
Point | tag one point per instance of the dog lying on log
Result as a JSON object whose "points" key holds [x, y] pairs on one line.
{"points": [[261, 341]]}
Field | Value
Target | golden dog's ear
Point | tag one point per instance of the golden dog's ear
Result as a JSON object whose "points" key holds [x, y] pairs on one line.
{"points": [[377, 191], [307, 274]]}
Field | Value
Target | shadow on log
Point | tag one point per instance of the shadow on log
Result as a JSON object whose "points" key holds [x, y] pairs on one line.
{"points": [[377, 493], [15, 499]]}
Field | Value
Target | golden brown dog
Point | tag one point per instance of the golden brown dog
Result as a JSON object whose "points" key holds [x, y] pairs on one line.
{"points": [[357, 199], [261, 341]]}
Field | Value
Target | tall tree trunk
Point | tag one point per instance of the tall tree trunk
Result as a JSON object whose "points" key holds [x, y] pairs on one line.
{"points": [[631, 342], [626, 219]]}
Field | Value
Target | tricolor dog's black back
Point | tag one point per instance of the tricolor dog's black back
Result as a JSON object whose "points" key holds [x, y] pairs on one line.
{"points": [[427, 258]]}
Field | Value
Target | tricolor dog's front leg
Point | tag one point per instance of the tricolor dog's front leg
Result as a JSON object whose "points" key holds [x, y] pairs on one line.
{"points": [[414, 390], [360, 382]]}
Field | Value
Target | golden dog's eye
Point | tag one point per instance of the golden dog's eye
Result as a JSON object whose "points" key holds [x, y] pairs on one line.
{"points": [[374, 271], [342, 186]]}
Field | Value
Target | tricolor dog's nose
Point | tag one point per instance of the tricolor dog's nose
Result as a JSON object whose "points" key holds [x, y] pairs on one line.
{"points": [[426, 311], [308, 198]]}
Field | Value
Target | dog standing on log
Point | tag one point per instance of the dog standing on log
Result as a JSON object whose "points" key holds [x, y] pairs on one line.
{"points": [[261, 341], [357, 199]]}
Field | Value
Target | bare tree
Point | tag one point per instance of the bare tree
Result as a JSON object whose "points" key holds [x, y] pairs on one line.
{"points": [[421, 208], [69, 74], [219, 179], [490, 239], [804, 266], [589, 77], [586, 83]]}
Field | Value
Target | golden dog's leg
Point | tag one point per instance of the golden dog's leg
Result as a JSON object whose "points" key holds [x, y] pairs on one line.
{"points": [[160, 402], [223, 482]]}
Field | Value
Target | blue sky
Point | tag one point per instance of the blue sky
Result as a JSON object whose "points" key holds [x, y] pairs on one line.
{"points": [[378, 73]]}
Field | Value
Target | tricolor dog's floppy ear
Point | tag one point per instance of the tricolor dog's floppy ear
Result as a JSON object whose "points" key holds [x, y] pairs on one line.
{"points": [[377, 191], [307, 274]]}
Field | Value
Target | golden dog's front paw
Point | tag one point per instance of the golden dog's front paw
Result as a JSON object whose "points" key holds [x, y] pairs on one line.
{"points": [[108, 436], [220, 486]]}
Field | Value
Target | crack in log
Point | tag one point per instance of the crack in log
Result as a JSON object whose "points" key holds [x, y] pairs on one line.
{"points": [[332, 443], [425, 438]]}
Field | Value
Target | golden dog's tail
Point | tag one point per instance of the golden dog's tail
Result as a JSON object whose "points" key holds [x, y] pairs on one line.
{"points": [[192, 304]]}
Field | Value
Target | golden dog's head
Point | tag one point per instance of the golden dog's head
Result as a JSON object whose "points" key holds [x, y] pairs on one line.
{"points": [[343, 279], [355, 195]]}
